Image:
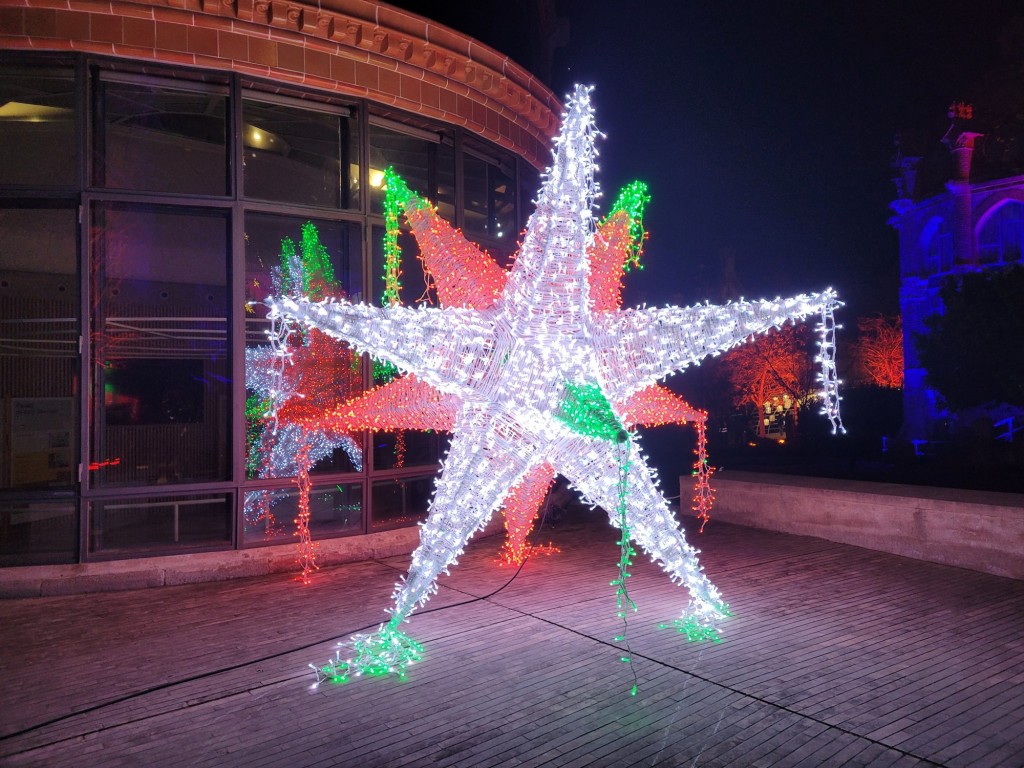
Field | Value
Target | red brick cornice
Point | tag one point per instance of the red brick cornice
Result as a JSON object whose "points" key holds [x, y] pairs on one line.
{"points": [[351, 47]]}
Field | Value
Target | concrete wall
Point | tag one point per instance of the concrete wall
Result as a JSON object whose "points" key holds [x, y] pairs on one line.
{"points": [[979, 530], [47, 580]]}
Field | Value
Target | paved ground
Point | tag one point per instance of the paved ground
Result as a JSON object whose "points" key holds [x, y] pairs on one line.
{"points": [[836, 656]]}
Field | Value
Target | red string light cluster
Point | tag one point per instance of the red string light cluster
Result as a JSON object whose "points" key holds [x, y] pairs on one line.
{"points": [[465, 276]]}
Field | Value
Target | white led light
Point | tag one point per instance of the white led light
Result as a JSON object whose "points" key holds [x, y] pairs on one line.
{"points": [[549, 336]]}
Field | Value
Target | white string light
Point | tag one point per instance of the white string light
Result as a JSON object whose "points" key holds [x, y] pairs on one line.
{"points": [[512, 366]]}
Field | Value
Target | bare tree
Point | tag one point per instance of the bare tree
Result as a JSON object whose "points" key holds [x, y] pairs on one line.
{"points": [[877, 355]]}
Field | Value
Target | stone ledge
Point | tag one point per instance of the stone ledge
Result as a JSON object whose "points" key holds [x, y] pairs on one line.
{"points": [[170, 570], [979, 530]]}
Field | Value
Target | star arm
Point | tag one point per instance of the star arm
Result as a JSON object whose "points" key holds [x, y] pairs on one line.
{"points": [[465, 276], [447, 348], [641, 346], [405, 403], [489, 454], [593, 467], [656, 405]]}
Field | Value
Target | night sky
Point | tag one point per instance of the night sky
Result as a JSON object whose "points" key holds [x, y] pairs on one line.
{"points": [[764, 129]]}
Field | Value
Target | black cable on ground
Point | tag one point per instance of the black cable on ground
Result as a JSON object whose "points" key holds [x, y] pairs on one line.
{"points": [[690, 673], [269, 657]]}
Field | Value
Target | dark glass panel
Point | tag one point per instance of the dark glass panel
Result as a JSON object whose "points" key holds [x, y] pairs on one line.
{"points": [[160, 366], [324, 372], [298, 155], [154, 524], [160, 139], [444, 198], [37, 128], [334, 510], [529, 187], [407, 448], [38, 348], [490, 199], [400, 502], [38, 531], [425, 165]]}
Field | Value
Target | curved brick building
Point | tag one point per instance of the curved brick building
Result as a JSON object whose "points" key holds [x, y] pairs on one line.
{"points": [[157, 154]]}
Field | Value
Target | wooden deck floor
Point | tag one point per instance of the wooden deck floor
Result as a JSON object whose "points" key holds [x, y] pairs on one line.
{"points": [[836, 656]]}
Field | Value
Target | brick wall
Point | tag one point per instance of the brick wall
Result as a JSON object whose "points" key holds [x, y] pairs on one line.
{"points": [[349, 47]]}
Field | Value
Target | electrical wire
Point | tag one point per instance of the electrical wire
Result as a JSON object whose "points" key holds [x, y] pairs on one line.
{"points": [[260, 660]]}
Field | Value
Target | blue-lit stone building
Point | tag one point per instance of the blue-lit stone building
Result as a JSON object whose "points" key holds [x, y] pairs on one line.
{"points": [[959, 209]]}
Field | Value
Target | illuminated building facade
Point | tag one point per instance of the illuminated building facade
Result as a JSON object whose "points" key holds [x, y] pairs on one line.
{"points": [[157, 154], [960, 210]]}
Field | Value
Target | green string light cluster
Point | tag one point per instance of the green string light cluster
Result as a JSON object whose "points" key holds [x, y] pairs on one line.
{"points": [[626, 552], [257, 408], [397, 196], [385, 652], [395, 192], [695, 631], [309, 270], [586, 410], [632, 199]]}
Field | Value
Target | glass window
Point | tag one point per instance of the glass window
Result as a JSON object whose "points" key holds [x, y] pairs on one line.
{"points": [[39, 333], [400, 502], [415, 285], [444, 197], [298, 155], [394, 450], [529, 187], [324, 373], [938, 255], [423, 162], [1001, 238], [490, 202], [38, 532], [161, 386], [162, 139], [150, 524], [408, 448], [37, 128], [334, 510]]}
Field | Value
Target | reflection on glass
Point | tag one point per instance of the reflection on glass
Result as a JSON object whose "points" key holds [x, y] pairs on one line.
{"points": [[299, 155], [426, 166], [407, 448], [416, 284], [400, 502], [154, 523], [490, 195], [529, 183], [321, 259], [162, 139], [37, 128], [334, 510], [38, 348], [160, 365], [402, 448]]}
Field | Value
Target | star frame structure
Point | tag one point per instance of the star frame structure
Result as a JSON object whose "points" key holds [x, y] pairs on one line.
{"points": [[517, 368]]}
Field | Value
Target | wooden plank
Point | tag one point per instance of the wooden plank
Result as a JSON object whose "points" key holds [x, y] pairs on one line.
{"points": [[836, 656]]}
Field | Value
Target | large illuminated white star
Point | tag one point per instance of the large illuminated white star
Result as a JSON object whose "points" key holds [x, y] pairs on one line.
{"points": [[513, 366]]}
